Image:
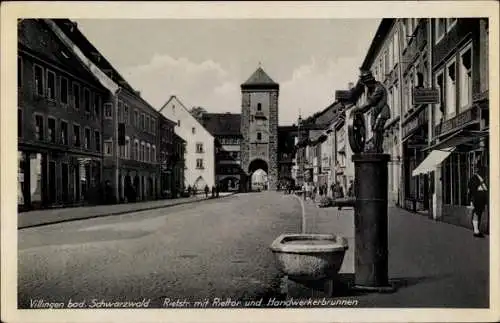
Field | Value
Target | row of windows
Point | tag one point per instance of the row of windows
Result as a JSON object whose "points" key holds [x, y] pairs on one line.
{"points": [[454, 82], [167, 134], [140, 120], [140, 151], [57, 88], [388, 58], [229, 141], [59, 131], [457, 170], [417, 76]]}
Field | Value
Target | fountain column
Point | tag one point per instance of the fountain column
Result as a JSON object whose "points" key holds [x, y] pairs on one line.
{"points": [[370, 221]]}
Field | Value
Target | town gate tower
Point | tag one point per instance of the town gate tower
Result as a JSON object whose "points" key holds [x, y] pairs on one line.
{"points": [[259, 128]]}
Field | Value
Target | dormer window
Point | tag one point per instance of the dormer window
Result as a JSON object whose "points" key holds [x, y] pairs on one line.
{"points": [[259, 107]]}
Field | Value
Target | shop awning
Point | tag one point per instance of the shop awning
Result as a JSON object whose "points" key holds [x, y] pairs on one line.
{"points": [[463, 137], [430, 163]]}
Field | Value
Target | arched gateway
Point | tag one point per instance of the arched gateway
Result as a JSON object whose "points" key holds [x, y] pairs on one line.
{"points": [[258, 174], [259, 128]]}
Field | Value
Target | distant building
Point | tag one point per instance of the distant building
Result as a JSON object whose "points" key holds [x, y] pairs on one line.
{"points": [[178, 166], [225, 127], [199, 154], [259, 127], [168, 158], [60, 113]]}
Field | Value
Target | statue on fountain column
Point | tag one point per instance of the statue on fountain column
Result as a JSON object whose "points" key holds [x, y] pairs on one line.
{"points": [[377, 103]]}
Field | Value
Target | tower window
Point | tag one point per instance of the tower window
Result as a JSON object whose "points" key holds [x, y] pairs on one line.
{"points": [[259, 136], [259, 107]]}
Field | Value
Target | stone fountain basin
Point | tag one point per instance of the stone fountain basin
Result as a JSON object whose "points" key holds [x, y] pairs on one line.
{"points": [[309, 256]]}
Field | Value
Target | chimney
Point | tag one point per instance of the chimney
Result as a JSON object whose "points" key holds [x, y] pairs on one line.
{"points": [[350, 85], [138, 93]]}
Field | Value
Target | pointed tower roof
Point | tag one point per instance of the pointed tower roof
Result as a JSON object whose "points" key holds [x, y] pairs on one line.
{"points": [[260, 79]]}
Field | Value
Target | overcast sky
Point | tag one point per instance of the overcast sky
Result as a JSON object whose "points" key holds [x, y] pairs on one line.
{"points": [[204, 62]]}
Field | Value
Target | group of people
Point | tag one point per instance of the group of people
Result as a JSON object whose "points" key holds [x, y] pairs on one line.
{"points": [[192, 191], [311, 191]]}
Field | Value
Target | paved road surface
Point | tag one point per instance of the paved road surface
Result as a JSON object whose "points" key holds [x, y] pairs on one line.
{"points": [[217, 248]]}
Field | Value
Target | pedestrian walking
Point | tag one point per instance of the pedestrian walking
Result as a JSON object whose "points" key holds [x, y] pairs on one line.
{"points": [[350, 190], [189, 190], [217, 190], [478, 196], [206, 191], [213, 191], [339, 191]]}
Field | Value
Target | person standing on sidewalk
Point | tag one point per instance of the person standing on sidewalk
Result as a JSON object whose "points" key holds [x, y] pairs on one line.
{"points": [[350, 190], [478, 195]]}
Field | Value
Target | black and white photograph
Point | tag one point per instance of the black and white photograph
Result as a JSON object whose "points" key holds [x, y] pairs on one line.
{"points": [[204, 163]]}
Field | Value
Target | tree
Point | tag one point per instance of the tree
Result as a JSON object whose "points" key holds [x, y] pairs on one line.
{"points": [[198, 112]]}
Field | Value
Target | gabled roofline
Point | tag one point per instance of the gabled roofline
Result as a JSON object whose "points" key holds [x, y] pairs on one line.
{"points": [[184, 107]]}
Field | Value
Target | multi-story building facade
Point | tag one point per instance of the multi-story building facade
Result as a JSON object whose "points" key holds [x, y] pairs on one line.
{"points": [[416, 74], [200, 144], [287, 139], [459, 123], [59, 121], [225, 127], [259, 127], [137, 157], [168, 158], [384, 60], [440, 144], [130, 129]]}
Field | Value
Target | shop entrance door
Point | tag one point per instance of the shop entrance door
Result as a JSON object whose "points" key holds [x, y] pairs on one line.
{"points": [[65, 182], [52, 182]]}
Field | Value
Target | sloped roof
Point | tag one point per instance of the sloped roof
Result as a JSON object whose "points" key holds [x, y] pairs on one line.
{"points": [[179, 102], [31, 33], [260, 78], [222, 124], [71, 30]]}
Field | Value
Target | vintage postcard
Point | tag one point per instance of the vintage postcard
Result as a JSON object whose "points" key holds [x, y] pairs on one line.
{"points": [[254, 161]]}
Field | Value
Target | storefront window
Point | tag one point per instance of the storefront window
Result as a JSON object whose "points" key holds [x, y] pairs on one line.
{"points": [[36, 177], [20, 178], [446, 181], [464, 177]]}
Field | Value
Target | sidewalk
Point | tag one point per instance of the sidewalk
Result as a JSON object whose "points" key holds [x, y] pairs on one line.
{"points": [[431, 263], [52, 216]]}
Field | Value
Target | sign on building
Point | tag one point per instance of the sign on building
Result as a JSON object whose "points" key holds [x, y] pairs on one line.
{"points": [[425, 96]]}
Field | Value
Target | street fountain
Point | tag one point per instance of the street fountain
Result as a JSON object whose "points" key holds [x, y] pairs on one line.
{"points": [[314, 256]]}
